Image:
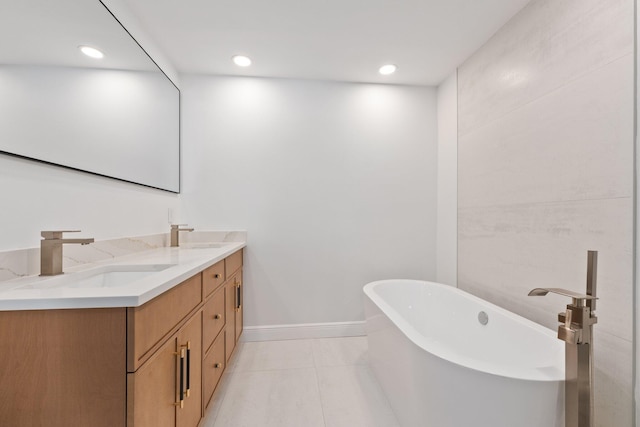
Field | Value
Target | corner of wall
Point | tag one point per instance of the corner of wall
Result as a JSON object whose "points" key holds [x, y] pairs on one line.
{"points": [[447, 222], [133, 24]]}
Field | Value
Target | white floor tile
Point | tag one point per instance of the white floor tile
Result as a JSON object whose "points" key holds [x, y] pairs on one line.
{"points": [[272, 355], [340, 351], [351, 397], [278, 398]]}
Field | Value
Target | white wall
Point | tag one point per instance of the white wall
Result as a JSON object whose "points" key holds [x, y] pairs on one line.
{"points": [[447, 247], [335, 184], [545, 161], [37, 197]]}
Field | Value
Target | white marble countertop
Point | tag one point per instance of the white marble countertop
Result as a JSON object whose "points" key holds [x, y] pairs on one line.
{"points": [[41, 293]]}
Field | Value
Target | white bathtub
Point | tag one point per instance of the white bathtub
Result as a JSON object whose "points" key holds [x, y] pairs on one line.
{"points": [[440, 367]]}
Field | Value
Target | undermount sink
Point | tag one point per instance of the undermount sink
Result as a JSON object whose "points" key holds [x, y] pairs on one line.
{"points": [[111, 276], [119, 277]]}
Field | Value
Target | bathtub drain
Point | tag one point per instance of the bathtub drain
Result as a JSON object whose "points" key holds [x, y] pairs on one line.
{"points": [[483, 318]]}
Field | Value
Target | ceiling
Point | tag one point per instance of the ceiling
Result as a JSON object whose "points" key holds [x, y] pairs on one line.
{"points": [[42, 32], [344, 40]]}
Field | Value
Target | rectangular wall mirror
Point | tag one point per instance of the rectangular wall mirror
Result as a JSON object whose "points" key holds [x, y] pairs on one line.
{"points": [[116, 116]]}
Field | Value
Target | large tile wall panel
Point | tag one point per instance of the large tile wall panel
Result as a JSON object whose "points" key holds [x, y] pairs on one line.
{"points": [[545, 173], [542, 48], [508, 250], [574, 143]]}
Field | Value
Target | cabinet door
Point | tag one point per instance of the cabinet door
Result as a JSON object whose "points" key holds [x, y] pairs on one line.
{"points": [[239, 303], [190, 340], [152, 389], [166, 391], [230, 311]]}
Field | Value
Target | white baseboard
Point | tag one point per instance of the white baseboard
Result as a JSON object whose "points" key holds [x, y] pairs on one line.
{"points": [[303, 331]]}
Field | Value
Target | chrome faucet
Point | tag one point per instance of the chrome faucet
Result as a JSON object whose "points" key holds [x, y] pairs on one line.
{"points": [[576, 330], [175, 234], [51, 250]]}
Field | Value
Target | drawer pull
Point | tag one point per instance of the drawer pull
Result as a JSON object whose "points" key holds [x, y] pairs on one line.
{"points": [[216, 276], [188, 368], [181, 355], [217, 316], [238, 298], [217, 365]]}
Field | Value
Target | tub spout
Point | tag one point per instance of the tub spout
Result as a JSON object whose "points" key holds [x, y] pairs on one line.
{"points": [[577, 298]]}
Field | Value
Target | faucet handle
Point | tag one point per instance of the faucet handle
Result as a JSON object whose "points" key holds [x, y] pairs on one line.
{"points": [[178, 225], [56, 234], [566, 333]]}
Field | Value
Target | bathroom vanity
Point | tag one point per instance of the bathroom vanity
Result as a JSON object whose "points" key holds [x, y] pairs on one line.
{"points": [[146, 355]]}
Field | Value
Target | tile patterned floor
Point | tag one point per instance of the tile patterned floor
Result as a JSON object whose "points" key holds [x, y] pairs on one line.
{"points": [[300, 383]]}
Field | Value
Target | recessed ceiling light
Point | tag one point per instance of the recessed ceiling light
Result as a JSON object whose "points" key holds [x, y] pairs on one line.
{"points": [[387, 69], [91, 52], [241, 61]]}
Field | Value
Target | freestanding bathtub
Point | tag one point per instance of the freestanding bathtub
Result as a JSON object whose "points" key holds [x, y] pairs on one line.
{"points": [[440, 366]]}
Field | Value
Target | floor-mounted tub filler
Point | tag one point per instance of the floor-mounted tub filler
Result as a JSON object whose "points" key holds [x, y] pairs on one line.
{"points": [[576, 330], [448, 359]]}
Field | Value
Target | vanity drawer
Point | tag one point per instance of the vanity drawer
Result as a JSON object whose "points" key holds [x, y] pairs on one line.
{"points": [[148, 324], [212, 368], [213, 277], [214, 317], [233, 262]]}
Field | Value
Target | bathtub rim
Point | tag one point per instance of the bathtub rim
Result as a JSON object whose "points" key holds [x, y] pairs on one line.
{"points": [[544, 373]]}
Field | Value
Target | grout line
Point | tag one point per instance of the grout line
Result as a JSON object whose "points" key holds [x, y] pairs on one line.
{"points": [[297, 368], [315, 370], [548, 202], [605, 332], [634, 275]]}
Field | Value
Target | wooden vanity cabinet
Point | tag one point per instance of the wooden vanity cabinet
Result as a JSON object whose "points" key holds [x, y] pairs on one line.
{"points": [[109, 367], [220, 340], [207, 310]]}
